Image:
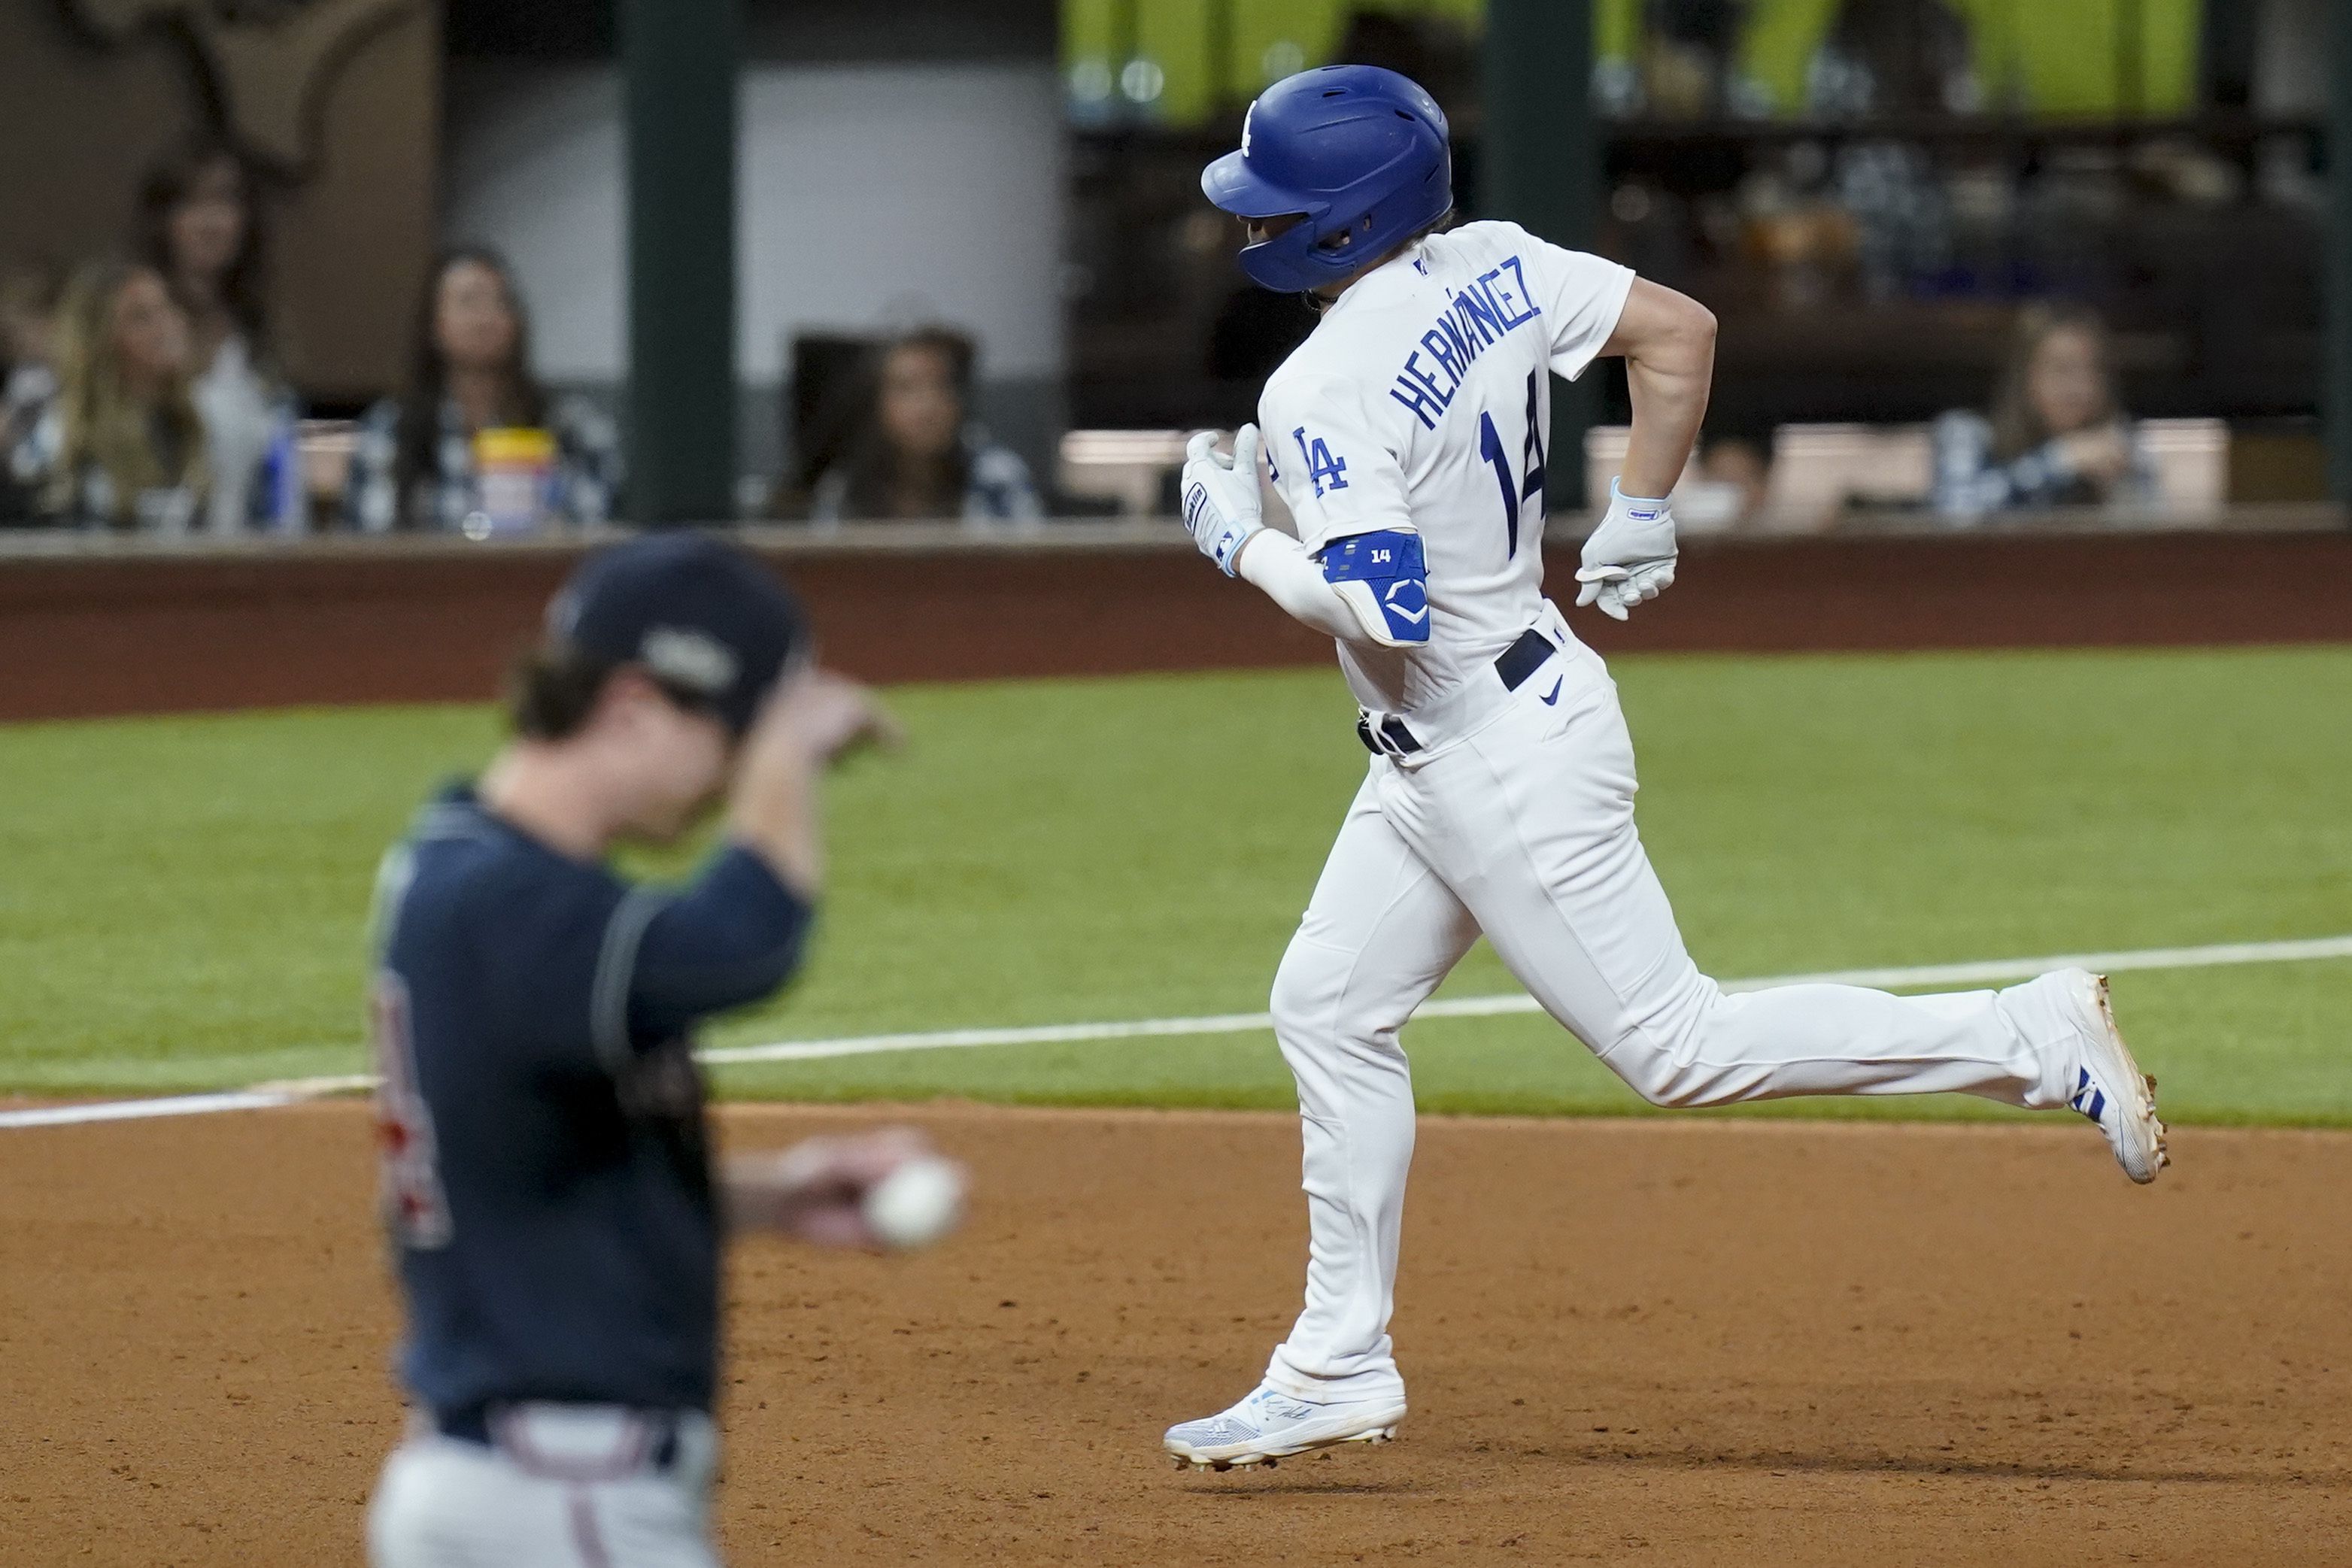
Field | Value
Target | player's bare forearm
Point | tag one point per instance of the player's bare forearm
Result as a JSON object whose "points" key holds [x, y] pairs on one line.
{"points": [[813, 717], [1667, 340], [780, 822]]}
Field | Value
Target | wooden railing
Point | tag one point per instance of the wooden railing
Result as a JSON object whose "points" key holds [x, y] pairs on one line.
{"points": [[92, 626]]}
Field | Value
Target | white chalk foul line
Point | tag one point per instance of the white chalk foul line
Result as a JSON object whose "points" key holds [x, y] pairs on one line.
{"points": [[135, 1110], [1982, 972]]}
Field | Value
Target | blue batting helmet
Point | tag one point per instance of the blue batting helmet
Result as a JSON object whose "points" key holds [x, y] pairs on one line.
{"points": [[1358, 152]]}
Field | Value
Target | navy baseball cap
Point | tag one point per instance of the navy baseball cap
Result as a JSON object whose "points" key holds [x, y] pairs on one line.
{"points": [[704, 618]]}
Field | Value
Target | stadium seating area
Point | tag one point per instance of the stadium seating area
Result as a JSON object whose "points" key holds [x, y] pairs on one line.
{"points": [[1893, 217]]}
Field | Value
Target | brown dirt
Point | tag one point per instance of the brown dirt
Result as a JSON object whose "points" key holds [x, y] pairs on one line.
{"points": [[1642, 1342]]}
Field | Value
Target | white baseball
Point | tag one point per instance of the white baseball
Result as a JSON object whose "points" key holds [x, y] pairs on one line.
{"points": [[917, 1203]]}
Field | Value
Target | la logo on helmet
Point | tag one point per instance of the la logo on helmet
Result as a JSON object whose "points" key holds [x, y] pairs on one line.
{"points": [[1247, 115]]}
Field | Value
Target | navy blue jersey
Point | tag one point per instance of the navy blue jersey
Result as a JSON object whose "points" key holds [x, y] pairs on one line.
{"points": [[546, 1177]]}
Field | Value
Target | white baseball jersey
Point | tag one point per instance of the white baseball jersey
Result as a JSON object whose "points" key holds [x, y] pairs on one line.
{"points": [[1422, 403]]}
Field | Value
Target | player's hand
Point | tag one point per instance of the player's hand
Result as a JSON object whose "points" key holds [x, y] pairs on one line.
{"points": [[2100, 454], [1221, 507], [1630, 558], [816, 1191], [821, 716]]}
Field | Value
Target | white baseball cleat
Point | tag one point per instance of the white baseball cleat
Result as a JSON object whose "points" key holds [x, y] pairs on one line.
{"points": [[2108, 1086], [1270, 1425]]}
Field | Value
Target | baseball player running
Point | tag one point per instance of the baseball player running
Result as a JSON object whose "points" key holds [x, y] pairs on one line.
{"points": [[546, 1173], [1406, 436]]}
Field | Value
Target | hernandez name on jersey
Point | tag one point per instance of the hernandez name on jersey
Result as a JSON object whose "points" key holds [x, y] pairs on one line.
{"points": [[1406, 436]]}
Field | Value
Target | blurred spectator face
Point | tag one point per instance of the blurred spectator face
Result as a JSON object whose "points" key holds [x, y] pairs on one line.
{"points": [[1742, 468], [206, 228], [147, 335], [920, 409], [474, 323], [28, 330], [2067, 380]]}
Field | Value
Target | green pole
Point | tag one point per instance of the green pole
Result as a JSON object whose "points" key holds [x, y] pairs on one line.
{"points": [[2337, 393], [1540, 166], [678, 63]]}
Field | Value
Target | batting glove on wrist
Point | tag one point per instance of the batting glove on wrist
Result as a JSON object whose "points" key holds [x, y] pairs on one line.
{"points": [[1222, 508], [1630, 558]]}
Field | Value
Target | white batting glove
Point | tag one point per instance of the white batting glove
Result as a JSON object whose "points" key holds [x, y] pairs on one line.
{"points": [[1630, 558], [1221, 507]]}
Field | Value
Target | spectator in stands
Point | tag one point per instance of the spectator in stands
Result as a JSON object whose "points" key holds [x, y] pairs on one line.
{"points": [[120, 445], [28, 304], [476, 444], [199, 226], [1893, 58], [1734, 477], [2056, 436], [918, 452]]}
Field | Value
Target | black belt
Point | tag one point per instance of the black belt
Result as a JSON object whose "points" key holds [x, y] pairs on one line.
{"points": [[1516, 662], [1524, 657], [471, 1424], [1395, 741]]}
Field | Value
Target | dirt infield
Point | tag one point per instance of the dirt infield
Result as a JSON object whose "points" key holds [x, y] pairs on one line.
{"points": [[1638, 1341]]}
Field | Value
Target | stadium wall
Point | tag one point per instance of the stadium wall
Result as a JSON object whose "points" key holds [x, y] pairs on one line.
{"points": [[99, 631]]}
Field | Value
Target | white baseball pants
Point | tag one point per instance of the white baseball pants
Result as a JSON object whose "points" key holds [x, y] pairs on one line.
{"points": [[1524, 831], [564, 1487]]}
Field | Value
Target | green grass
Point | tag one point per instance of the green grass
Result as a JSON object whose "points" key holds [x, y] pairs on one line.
{"points": [[181, 900]]}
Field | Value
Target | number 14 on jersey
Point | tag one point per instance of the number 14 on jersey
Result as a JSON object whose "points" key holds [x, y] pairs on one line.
{"points": [[1531, 454]]}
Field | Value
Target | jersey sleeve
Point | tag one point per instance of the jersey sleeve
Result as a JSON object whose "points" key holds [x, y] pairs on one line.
{"points": [[730, 939], [582, 973], [1580, 295], [1339, 468]]}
